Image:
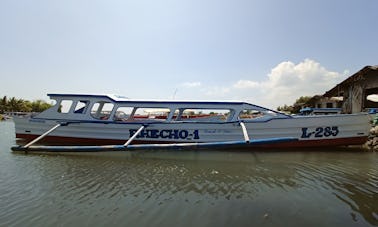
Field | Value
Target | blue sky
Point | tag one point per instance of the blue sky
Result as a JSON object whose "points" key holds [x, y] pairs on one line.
{"points": [[263, 51]]}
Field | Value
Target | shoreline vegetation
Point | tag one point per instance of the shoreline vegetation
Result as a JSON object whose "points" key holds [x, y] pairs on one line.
{"points": [[20, 105]]}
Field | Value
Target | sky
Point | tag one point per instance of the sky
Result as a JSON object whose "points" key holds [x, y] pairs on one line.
{"points": [[261, 51]]}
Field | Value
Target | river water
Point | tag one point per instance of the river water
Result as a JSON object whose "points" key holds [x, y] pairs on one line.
{"points": [[188, 188]]}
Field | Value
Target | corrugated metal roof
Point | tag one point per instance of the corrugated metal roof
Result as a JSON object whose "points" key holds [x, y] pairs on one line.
{"points": [[353, 78]]}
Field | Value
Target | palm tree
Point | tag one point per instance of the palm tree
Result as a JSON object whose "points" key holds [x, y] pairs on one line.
{"points": [[20, 105], [3, 104]]}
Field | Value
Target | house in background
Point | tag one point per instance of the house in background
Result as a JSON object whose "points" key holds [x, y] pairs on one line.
{"points": [[319, 104], [319, 101], [351, 94]]}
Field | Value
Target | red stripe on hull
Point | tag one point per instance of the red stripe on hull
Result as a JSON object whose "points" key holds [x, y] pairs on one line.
{"points": [[318, 143], [60, 140], [57, 140]]}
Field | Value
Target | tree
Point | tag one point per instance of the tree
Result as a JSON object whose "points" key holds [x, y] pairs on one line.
{"points": [[302, 100], [285, 108], [39, 106], [3, 104], [20, 105], [299, 103]]}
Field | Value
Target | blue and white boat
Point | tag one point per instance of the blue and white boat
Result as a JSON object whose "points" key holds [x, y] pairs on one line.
{"points": [[93, 120]]}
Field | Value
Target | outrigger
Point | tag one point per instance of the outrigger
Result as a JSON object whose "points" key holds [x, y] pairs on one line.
{"points": [[84, 122]]}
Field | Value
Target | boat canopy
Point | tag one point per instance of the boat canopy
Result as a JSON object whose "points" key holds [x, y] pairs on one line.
{"points": [[121, 108]]}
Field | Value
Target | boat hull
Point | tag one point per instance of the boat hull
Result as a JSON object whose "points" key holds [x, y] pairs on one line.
{"points": [[309, 131], [59, 140]]}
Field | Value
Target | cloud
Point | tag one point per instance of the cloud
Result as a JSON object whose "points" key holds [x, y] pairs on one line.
{"points": [[191, 84], [217, 92], [285, 83], [245, 84]]}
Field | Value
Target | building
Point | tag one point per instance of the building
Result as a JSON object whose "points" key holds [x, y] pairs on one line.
{"points": [[354, 92], [319, 101]]}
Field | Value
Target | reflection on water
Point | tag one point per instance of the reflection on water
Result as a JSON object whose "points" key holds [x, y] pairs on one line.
{"points": [[206, 188]]}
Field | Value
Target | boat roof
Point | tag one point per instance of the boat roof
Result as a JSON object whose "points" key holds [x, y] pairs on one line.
{"points": [[120, 98]]}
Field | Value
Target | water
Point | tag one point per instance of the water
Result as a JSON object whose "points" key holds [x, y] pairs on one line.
{"points": [[206, 188]]}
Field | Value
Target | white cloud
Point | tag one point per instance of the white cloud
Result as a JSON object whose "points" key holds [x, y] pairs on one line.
{"points": [[191, 84], [217, 92], [245, 84], [287, 82], [283, 85]]}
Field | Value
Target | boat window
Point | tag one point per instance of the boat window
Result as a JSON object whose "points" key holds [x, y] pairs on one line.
{"points": [[102, 110], [159, 114], [249, 114], [213, 115], [252, 114], [81, 107], [123, 113], [65, 106]]}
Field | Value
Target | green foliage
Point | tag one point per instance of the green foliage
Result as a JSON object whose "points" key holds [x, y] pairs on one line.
{"points": [[302, 100], [19, 105], [299, 103], [285, 108]]}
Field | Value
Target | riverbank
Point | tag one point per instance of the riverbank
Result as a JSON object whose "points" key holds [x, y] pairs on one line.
{"points": [[372, 143]]}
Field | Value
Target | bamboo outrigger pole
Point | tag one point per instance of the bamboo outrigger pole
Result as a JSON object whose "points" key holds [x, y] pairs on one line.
{"points": [[245, 132], [134, 136], [42, 136]]}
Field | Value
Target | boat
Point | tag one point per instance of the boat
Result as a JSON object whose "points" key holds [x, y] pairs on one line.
{"points": [[317, 111], [88, 122], [4, 117]]}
